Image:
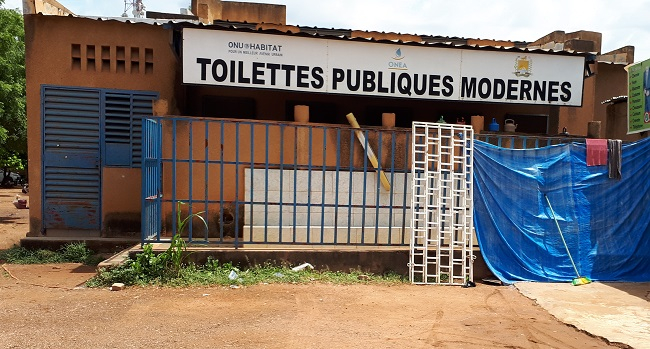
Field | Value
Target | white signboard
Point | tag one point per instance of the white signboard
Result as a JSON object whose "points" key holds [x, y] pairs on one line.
{"points": [[227, 58]]}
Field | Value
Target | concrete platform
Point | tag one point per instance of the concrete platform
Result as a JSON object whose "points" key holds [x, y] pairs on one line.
{"points": [[618, 312]]}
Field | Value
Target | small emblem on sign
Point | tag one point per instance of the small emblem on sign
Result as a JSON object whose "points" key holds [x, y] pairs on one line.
{"points": [[398, 55], [396, 62], [523, 66]]}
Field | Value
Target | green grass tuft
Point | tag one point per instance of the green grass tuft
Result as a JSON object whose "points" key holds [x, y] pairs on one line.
{"points": [[75, 252]]}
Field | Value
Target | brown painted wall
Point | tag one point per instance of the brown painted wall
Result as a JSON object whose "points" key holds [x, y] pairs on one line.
{"points": [[576, 119], [617, 123], [52, 59], [610, 80], [288, 143]]}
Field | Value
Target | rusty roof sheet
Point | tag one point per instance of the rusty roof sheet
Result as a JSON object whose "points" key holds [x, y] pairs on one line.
{"points": [[340, 34]]}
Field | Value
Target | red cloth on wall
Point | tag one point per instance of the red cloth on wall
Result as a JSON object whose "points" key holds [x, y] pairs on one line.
{"points": [[596, 152]]}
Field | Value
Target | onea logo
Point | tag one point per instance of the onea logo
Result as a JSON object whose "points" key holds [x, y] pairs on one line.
{"points": [[396, 63], [523, 66]]}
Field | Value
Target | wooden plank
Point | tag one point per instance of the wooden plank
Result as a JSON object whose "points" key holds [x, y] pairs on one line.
{"points": [[371, 154]]}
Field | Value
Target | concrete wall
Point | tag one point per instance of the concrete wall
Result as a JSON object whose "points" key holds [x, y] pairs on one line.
{"points": [[59, 51], [235, 11], [582, 41], [253, 12], [46, 7]]}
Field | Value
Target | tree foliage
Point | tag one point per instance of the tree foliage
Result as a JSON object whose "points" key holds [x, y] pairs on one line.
{"points": [[13, 120]]}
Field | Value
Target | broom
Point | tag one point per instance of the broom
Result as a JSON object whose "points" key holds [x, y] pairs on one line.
{"points": [[579, 280]]}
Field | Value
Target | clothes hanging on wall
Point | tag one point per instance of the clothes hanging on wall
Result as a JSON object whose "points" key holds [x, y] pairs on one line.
{"points": [[614, 158], [596, 152]]}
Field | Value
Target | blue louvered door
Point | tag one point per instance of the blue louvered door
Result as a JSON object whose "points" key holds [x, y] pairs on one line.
{"points": [[71, 159], [85, 130]]}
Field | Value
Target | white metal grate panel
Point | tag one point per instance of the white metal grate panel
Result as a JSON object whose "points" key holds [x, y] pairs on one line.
{"points": [[442, 207]]}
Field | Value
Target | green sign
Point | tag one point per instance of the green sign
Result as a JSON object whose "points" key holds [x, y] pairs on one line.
{"points": [[638, 102]]}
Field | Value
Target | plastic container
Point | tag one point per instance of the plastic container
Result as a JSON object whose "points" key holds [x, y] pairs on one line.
{"points": [[493, 126]]}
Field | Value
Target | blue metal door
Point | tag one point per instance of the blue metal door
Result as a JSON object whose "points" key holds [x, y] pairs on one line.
{"points": [[151, 180], [71, 159]]}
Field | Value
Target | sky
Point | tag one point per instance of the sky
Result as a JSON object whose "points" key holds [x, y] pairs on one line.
{"points": [[523, 20]]}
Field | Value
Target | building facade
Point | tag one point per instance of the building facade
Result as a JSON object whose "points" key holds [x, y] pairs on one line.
{"points": [[91, 81]]}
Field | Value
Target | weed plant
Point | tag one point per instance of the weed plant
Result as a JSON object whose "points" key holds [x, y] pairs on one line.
{"points": [[146, 269], [76, 252]]}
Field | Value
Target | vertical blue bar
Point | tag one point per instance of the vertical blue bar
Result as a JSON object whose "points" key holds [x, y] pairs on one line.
{"points": [[499, 141], [512, 142], [266, 186], [536, 142], [281, 181], [206, 173], [365, 186], [336, 182], [144, 228], [221, 180], [191, 179], [174, 208], [310, 128], [236, 184], [377, 190], [352, 134], [158, 179], [322, 216], [392, 186], [407, 148], [295, 178], [147, 220], [252, 169]]}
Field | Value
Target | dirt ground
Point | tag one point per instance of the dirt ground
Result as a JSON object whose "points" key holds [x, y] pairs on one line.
{"points": [[14, 223], [43, 306]]}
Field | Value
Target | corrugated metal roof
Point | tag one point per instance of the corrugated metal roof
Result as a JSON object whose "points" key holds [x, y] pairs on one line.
{"points": [[614, 100], [339, 34], [150, 21]]}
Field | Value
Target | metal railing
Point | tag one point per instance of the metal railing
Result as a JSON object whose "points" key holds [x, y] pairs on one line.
{"points": [[265, 182], [523, 141]]}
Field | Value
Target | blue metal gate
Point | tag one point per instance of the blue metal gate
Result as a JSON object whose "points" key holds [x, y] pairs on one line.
{"points": [[266, 182], [151, 180]]}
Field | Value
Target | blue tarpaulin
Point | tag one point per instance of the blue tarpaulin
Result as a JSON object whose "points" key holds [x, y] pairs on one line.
{"points": [[606, 222]]}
